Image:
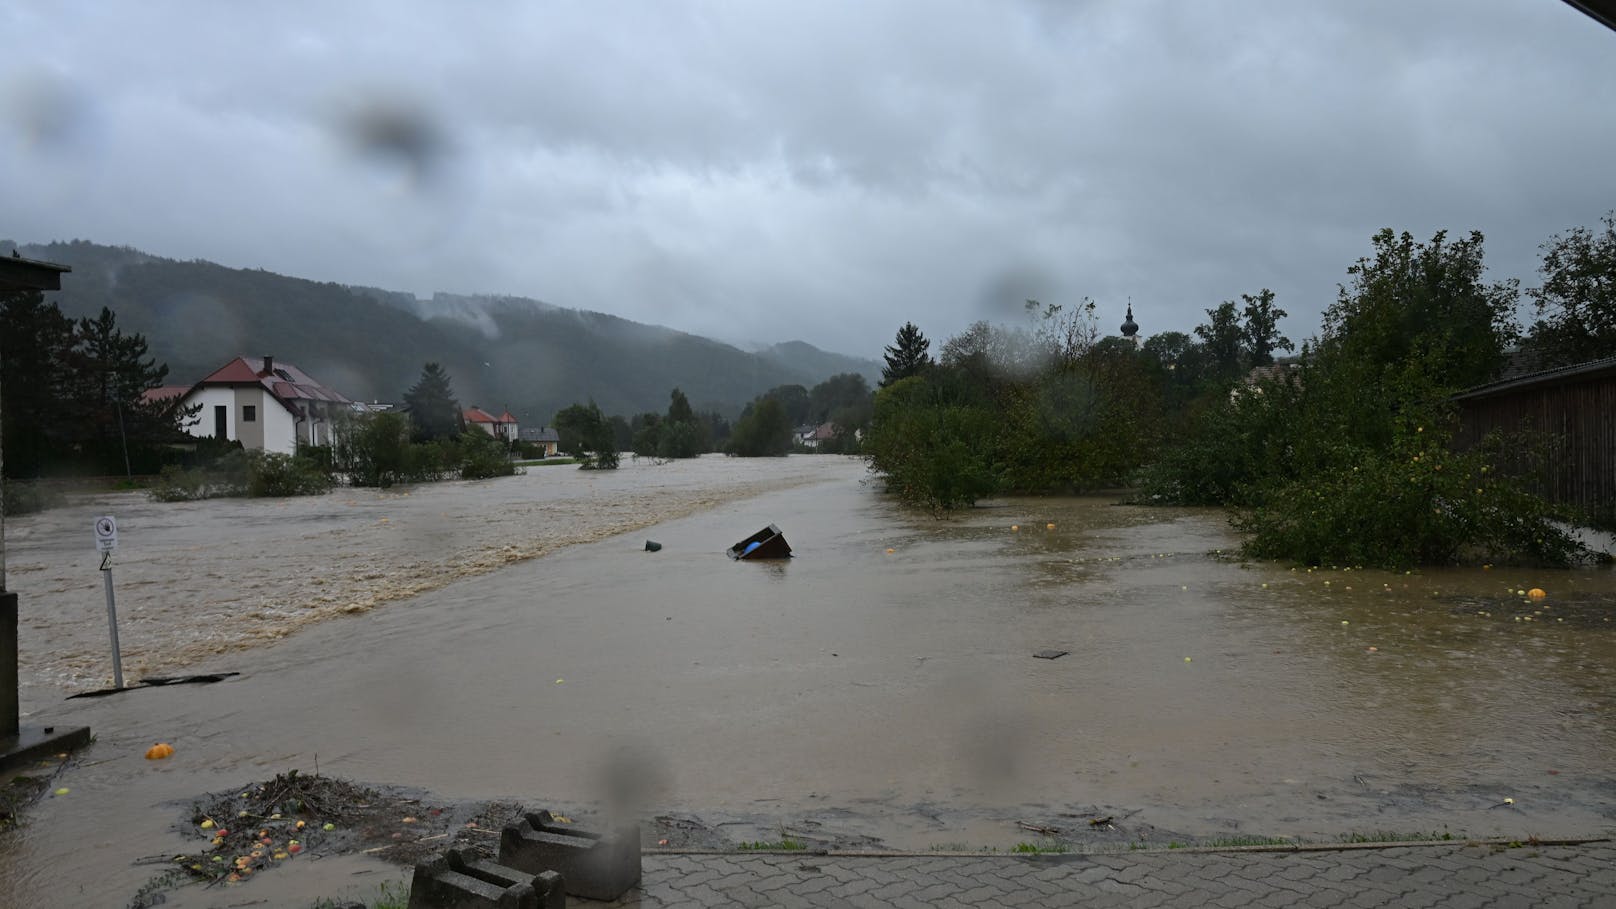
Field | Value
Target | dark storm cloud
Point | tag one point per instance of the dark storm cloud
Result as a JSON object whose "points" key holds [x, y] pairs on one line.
{"points": [[823, 171]]}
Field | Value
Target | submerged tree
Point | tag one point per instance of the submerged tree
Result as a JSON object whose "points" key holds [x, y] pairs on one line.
{"points": [[587, 434], [762, 431]]}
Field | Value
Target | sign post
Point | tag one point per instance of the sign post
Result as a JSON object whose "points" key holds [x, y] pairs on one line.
{"points": [[106, 540]]}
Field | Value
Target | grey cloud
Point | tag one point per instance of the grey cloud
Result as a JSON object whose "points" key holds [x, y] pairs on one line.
{"points": [[824, 171]]}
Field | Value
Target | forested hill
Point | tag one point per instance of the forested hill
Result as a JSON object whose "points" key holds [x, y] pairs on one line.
{"points": [[370, 344]]}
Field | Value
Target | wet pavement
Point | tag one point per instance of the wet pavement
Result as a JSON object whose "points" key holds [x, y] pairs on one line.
{"points": [[877, 691], [1460, 877]]}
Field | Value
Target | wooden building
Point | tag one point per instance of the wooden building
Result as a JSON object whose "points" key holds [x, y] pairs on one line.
{"points": [[1560, 430]]}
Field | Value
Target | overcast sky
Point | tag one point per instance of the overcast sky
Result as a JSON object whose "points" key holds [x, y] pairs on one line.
{"points": [[814, 170]]}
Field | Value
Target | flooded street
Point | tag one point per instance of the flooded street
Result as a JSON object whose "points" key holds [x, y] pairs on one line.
{"points": [[880, 687]]}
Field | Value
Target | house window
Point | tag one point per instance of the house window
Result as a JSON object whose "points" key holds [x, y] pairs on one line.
{"points": [[249, 413]]}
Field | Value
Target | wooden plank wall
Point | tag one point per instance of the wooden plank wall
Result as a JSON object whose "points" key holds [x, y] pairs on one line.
{"points": [[1575, 424]]}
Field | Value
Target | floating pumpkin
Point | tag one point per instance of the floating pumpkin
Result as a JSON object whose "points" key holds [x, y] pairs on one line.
{"points": [[159, 751], [1537, 593]]}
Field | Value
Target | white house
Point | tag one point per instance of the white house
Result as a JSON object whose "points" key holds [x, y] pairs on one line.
{"points": [[265, 405], [502, 427]]}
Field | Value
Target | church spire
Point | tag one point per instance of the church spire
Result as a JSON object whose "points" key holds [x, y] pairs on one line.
{"points": [[1130, 328]]}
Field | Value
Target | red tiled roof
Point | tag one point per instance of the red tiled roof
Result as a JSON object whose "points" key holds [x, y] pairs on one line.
{"points": [[163, 393], [236, 370], [286, 383], [476, 414]]}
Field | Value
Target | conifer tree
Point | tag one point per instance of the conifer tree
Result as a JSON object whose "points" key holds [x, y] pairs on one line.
{"points": [[432, 405], [908, 356]]}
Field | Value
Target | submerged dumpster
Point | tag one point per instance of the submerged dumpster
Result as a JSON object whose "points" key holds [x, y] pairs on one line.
{"points": [[768, 543]]}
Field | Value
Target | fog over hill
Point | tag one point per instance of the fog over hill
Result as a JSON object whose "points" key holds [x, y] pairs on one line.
{"points": [[370, 343]]}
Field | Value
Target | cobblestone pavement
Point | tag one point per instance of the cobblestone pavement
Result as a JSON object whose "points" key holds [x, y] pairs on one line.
{"points": [[1448, 875]]}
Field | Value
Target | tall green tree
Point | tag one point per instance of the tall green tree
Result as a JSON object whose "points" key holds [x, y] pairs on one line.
{"points": [[587, 435], [74, 393], [681, 435], [1420, 317], [1576, 305], [843, 390], [793, 400], [107, 374], [679, 408], [34, 346], [763, 430], [1221, 338], [432, 405], [1261, 329], [909, 355]]}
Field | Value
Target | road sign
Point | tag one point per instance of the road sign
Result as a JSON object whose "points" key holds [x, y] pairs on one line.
{"points": [[106, 533]]}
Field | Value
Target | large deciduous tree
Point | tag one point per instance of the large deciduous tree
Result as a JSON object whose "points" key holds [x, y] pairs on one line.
{"points": [[587, 434], [763, 430], [1261, 329], [1221, 338], [1420, 312], [909, 355], [1576, 306]]}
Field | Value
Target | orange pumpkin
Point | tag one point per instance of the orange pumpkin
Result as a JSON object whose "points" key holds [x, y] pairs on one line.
{"points": [[159, 751]]}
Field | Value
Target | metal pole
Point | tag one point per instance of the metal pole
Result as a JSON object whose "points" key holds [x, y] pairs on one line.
{"points": [[112, 622], [128, 474]]}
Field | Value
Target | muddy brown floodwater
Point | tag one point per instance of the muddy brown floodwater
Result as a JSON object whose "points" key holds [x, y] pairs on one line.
{"points": [[878, 688]]}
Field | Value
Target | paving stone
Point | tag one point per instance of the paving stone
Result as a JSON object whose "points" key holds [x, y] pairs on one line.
{"points": [[1440, 877]]}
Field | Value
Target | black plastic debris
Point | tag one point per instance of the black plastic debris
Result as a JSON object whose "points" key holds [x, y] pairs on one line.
{"points": [[159, 681], [768, 543], [653, 546], [1050, 654]]}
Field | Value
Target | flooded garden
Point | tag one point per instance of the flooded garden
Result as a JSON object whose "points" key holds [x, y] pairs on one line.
{"points": [[1020, 671]]}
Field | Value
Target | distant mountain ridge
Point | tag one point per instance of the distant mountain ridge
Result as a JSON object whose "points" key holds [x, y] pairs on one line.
{"points": [[502, 352]]}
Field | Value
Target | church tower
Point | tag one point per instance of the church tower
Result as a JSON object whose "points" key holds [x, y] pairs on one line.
{"points": [[1130, 328]]}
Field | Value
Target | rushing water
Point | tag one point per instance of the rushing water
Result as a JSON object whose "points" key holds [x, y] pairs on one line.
{"points": [[882, 681]]}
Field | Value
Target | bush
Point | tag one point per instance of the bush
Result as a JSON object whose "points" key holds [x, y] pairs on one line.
{"points": [[482, 456], [258, 474], [378, 452], [271, 474], [227, 475], [1417, 503], [28, 498], [931, 445]]}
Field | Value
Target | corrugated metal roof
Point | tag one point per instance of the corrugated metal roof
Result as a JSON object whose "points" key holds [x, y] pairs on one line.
{"points": [[1542, 377]]}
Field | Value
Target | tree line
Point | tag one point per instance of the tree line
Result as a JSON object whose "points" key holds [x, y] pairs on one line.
{"points": [[1342, 454], [74, 393], [764, 428]]}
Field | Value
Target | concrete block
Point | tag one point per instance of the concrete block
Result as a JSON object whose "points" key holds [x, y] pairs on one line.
{"points": [[455, 880], [595, 866]]}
